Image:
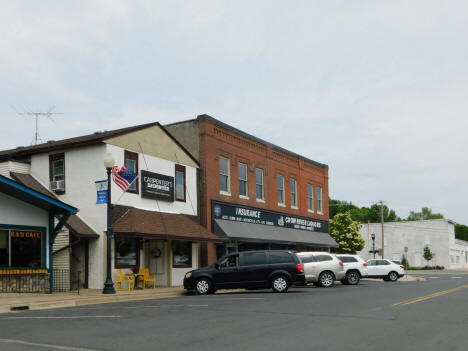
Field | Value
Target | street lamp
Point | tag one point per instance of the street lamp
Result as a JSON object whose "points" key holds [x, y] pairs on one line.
{"points": [[373, 243], [109, 162]]}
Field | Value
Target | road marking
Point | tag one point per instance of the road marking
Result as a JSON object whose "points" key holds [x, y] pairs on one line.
{"points": [[245, 298], [49, 346], [59, 317], [434, 277], [456, 277], [427, 297]]}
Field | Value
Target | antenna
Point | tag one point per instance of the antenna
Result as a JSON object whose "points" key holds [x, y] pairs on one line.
{"points": [[36, 138]]}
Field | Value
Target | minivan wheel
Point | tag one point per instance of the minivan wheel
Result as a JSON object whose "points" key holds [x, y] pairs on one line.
{"points": [[393, 276], [280, 284], [352, 278], [326, 279], [203, 286]]}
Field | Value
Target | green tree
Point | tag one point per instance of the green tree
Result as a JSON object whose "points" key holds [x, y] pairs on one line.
{"points": [[428, 255], [345, 231], [461, 232], [426, 213], [362, 214]]}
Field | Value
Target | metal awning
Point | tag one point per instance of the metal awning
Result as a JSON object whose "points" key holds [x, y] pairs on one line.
{"points": [[263, 233]]}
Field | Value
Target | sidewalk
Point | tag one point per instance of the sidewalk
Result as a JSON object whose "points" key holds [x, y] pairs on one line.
{"points": [[18, 302]]}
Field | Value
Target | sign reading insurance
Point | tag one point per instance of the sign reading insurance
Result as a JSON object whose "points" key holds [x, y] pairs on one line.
{"points": [[157, 186], [255, 215]]}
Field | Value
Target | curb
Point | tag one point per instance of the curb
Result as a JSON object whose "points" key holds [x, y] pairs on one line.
{"points": [[31, 306]]}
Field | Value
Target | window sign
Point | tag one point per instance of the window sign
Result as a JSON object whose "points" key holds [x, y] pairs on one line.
{"points": [[157, 186]]}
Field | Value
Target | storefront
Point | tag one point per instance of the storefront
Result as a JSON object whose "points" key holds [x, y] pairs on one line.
{"points": [[166, 243], [251, 228], [27, 233]]}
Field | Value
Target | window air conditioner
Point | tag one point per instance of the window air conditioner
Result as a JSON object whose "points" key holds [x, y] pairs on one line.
{"points": [[57, 185]]}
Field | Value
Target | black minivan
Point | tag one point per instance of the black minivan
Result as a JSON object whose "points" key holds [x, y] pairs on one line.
{"points": [[277, 269]]}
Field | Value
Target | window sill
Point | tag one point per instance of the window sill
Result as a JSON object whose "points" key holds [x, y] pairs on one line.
{"points": [[281, 205], [310, 211], [260, 200], [244, 197], [320, 213], [294, 207], [225, 193]]}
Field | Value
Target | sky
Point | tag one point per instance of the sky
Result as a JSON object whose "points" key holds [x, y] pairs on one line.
{"points": [[377, 90]]}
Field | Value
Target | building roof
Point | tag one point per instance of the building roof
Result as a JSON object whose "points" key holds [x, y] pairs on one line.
{"points": [[74, 222], [90, 139], [206, 117], [33, 197], [159, 225]]}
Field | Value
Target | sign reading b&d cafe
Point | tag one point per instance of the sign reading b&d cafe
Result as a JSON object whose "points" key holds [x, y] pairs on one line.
{"points": [[265, 217], [157, 186]]}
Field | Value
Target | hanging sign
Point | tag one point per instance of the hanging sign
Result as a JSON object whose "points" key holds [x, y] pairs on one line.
{"points": [[157, 186], [101, 188]]}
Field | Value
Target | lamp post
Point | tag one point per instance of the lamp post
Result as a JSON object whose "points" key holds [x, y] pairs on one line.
{"points": [[109, 284], [373, 243]]}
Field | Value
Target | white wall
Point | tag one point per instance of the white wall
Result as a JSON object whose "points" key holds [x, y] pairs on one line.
{"points": [[17, 212], [411, 234]]}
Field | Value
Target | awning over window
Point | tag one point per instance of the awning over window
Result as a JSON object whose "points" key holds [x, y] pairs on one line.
{"points": [[159, 225], [263, 233]]}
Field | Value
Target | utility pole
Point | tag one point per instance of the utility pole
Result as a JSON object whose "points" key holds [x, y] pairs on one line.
{"points": [[382, 221]]}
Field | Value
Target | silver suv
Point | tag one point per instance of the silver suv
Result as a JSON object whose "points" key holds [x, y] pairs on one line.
{"points": [[355, 268], [321, 268]]}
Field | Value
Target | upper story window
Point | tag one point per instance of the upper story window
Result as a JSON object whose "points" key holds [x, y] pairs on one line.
{"points": [[319, 200], [131, 161], [180, 183], [224, 182], [293, 187], [57, 172], [310, 198], [280, 181], [243, 185], [259, 183]]}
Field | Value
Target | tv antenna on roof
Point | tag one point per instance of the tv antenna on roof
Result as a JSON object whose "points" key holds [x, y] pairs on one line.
{"points": [[37, 138]]}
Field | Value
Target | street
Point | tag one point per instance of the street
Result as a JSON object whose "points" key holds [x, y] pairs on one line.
{"points": [[375, 315]]}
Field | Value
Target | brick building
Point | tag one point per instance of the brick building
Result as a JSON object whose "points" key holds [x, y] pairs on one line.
{"points": [[253, 194]]}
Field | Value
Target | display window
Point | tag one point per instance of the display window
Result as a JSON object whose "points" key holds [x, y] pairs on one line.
{"points": [[181, 254], [21, 248], [127, 252]]}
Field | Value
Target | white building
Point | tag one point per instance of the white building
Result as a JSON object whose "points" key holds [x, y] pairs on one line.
{"points": [[160, 232], [409, 239]]}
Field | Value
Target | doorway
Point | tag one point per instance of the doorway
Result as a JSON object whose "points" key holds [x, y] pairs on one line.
{"points": [[156, 254]]}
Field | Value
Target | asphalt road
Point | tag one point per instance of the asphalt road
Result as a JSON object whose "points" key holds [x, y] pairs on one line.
{"points": [[375, 315]]}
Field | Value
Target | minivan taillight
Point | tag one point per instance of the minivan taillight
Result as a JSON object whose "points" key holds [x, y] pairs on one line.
{"points": [[299, 268], [364, 264]]}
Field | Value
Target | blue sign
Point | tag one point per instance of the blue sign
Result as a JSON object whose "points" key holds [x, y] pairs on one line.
{"points": [[101, 187]]}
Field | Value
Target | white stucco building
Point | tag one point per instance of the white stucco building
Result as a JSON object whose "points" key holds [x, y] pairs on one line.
{"points": [[160, 232], [409, 239]]}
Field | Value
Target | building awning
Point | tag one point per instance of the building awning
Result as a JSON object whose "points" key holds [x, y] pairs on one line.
{"points": [[130, 221], [263, 233]]}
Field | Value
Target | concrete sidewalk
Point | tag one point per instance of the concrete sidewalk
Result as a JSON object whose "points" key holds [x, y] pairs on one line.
{"points": [[19, 302]]}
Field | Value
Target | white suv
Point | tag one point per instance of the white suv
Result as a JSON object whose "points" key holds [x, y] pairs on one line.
{"points": [[385, 269], [355, 268], [321, 268]]}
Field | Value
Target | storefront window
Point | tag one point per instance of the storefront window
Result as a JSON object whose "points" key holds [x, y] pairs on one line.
{"points": [[181, 254], [20, 248], [126, 252], [4, 251]]}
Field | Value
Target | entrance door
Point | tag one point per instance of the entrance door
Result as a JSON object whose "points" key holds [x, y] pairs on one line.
{"points": [[157, 260]]}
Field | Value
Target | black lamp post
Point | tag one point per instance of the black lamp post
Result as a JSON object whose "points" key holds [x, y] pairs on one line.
{"points": [[109, 284], [373, 243]]}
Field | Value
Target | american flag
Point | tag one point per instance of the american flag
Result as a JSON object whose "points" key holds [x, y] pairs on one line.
{"points": [[123, 177]]}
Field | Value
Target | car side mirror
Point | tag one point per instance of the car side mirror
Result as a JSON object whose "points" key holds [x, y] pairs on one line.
{"points": [[217, 265]]}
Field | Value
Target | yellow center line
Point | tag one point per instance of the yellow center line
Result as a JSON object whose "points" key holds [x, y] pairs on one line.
{"points": [[427, 297]]}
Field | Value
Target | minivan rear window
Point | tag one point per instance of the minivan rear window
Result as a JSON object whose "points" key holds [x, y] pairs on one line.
{"points": [[252, 258], [280, 257]]}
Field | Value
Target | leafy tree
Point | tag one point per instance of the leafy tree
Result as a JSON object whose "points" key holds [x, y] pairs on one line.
{"points": [[428, 255], [426, 213], [362, 214], [346, 233], [461, 232]]}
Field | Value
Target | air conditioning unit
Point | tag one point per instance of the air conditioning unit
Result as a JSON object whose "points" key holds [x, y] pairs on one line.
{"points": [[57, 186]]}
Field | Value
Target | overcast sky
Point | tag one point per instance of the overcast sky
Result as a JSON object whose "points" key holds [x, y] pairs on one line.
{"points": [[375, 89]]}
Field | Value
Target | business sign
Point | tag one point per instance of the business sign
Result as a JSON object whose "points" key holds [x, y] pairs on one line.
{"points": [[23, 234], [255, 215], [157, 186], [101, 188]]}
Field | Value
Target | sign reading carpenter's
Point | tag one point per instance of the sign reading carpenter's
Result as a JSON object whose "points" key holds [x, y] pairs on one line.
{"points": [[260, 216], [157, 186]]}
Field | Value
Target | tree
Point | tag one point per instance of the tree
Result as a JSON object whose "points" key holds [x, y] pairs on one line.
{"points": [[426, 213], [428, 255], [461, 232], [362, 214], [345, 231]]}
